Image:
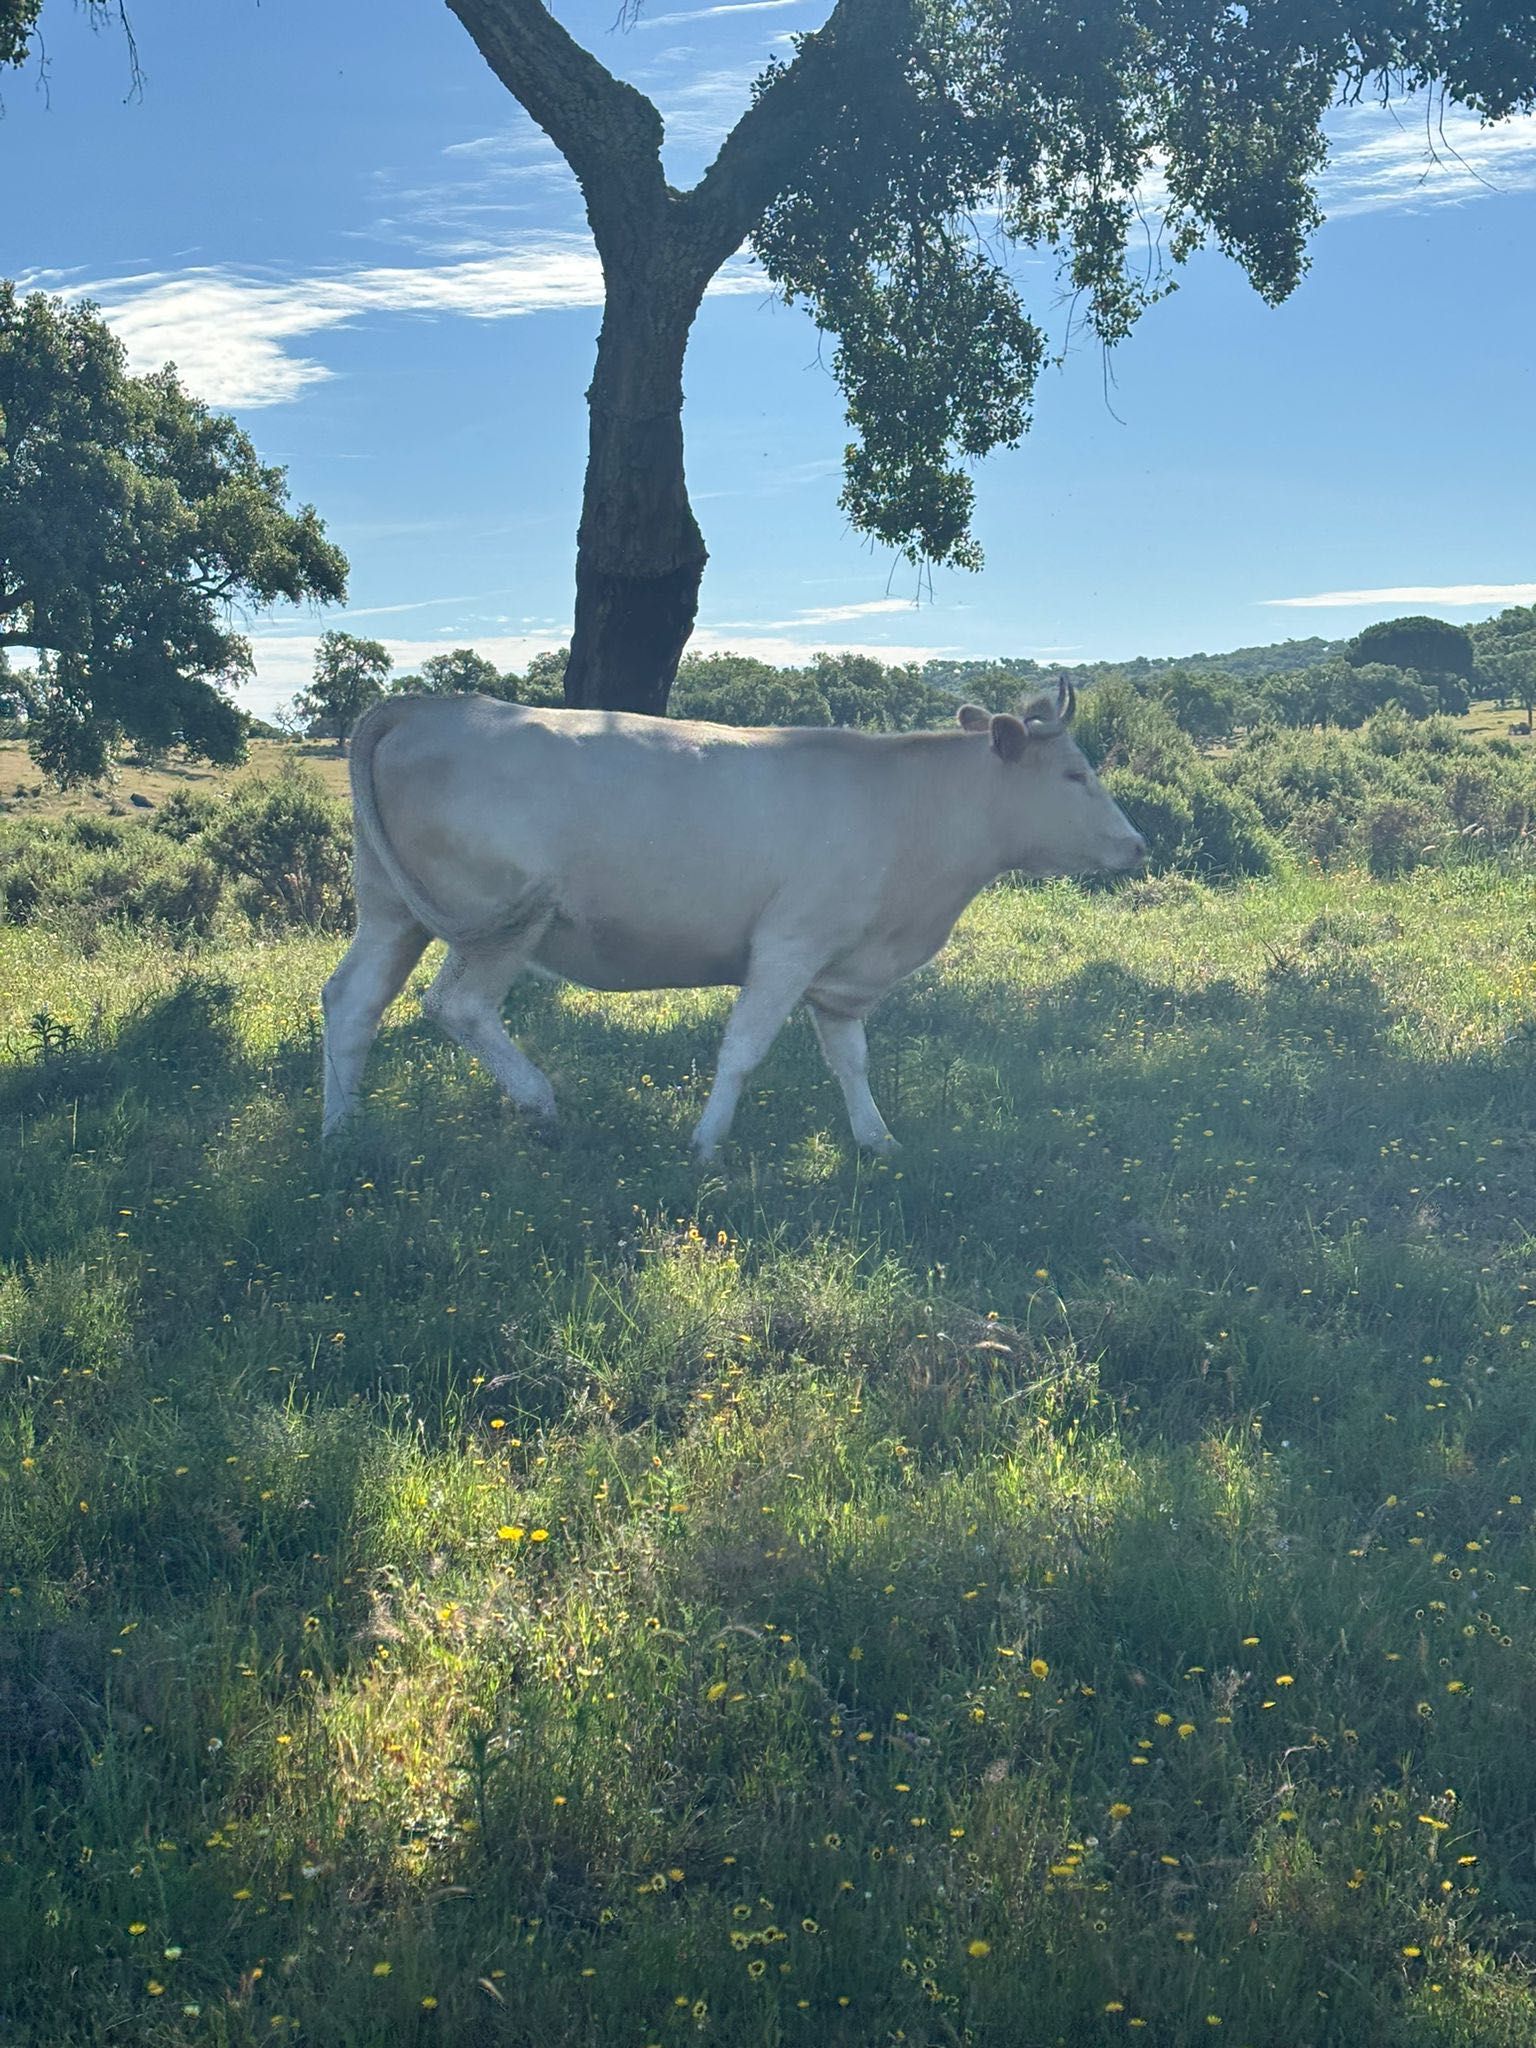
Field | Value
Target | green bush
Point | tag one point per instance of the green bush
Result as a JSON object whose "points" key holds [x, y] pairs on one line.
{"points": [[185, 813], [1397, 835], [1229, 837], [88, 872], [1159, 811], [287, 844]]}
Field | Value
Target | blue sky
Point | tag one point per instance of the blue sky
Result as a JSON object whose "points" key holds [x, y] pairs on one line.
{"points": [[341, 227]]}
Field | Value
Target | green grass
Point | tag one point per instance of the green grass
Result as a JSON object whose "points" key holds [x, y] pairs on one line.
{"points": [[1069, 1584]]}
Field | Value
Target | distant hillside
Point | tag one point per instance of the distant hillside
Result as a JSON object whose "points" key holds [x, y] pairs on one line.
{"points": [[1246, 663]]}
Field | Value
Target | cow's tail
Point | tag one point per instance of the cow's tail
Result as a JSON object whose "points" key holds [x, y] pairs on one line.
{"points": [[368, 824]]}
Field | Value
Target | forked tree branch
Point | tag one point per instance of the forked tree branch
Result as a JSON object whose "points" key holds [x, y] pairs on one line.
{"points": [[611, 134], [608, 132], [795, 112]]}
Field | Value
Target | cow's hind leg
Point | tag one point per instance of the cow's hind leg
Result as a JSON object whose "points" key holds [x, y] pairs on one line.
{"points": [[374, 969], [846, 1051], [770, 992], [465, 1001]]}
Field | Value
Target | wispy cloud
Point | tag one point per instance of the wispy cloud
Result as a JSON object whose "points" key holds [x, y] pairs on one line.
{"points": [[819, 615], [1400, 158], [1414, 155], [1451, 595], [787, 653], [420, 604], [699, 115], [230, 334], [709, 13]]}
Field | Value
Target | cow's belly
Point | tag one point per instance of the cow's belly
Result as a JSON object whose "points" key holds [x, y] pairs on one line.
{"points": [[612, 954]]}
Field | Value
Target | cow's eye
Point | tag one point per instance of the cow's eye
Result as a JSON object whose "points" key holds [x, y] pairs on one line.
{"points": [[1077, 775]]}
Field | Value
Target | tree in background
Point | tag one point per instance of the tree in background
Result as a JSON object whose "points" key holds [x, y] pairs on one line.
{"points": [[1505, 646], [738, 689], [543, 681], [1437, 650], [1204, 702], [349, 676], [462, 670], [1336, 693], [132, 519]]}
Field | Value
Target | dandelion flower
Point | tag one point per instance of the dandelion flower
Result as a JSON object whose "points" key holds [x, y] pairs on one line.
{"points": [[978, 1949]]}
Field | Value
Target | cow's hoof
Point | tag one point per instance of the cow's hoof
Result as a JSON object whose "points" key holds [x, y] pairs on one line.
{"points": [[704, 1155], [884, 1147]]}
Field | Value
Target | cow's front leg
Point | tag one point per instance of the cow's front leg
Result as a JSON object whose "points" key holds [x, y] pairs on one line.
{"points": [[846, 1051], [770, 992]]}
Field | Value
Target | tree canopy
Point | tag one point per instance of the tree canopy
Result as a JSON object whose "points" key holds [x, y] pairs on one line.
{"points": [[133, 523], [350, 674], [461, 669], [1433, 646]]}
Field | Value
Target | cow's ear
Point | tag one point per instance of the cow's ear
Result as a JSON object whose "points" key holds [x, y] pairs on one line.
{"points": [[973, 718], [1009, 736]]}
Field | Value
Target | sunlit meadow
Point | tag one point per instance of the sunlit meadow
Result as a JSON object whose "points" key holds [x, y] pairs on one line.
{"points": [[1069, 1584]]}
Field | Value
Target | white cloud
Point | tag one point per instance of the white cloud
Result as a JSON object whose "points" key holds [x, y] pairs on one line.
{"points": [[708, 13], [1451, 595], [1412, 155], [820, 615], [787, 653], [700, 114], [228, 333], [285, 662], [1384, 159]]}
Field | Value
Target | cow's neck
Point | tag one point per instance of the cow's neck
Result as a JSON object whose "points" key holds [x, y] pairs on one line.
{"points": [[953, 831]]}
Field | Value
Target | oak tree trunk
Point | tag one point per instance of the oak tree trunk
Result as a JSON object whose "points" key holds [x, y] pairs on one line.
{"points": [[640, 555]]}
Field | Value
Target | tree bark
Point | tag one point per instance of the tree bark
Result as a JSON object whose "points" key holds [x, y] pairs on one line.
{"points": [[639, 554]]}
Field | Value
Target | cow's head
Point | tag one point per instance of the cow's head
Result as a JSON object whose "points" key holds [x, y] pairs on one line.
{"points": [[1053, 814]]}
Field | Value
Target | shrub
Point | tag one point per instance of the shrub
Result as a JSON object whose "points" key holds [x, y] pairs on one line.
{"points": [[185, 813], [1396, 835], [1117, 728], [1228, 835], [289, 846], [89, 872], [1160, 812]]}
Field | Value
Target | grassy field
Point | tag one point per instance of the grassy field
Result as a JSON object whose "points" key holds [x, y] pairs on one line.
{"points": [[26, 793], [1069, 1584]]}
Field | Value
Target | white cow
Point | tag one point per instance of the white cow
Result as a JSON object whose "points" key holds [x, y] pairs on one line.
{"points": [[627, 853]]}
